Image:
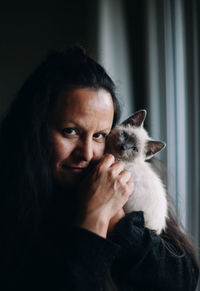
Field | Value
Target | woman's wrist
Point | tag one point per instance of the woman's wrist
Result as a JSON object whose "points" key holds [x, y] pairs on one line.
{"points": [[96, 224], [115, 219]]}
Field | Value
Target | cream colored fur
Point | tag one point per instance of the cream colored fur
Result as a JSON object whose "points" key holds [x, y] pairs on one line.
{"points": [[149, 193]]}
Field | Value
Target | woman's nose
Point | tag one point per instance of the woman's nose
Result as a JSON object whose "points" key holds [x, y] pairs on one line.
{"points": [[86, 149]]}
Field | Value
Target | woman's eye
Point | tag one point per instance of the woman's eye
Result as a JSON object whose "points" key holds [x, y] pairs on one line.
{"points": [[69, 131], [100, 135]]}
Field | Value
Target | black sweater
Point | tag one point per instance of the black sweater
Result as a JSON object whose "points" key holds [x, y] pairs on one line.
{"points": [[131, 258]]}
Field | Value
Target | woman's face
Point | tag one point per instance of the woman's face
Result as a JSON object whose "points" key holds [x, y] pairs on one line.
{"points": [[82, 120]]}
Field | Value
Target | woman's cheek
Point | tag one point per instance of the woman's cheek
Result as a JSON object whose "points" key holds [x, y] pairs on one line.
{"points": [[62, 147], [65, 148], [99, 151]]}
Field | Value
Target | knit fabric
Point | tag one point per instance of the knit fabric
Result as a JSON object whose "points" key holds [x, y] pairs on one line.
{"points": [[131, 258]]}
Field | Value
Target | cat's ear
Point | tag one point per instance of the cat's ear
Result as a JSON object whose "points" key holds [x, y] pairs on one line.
{"points": [[137, 119], [154, 147]]}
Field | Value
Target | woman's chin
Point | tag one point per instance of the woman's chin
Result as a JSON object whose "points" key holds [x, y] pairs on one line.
{"points": [[70, 181]]}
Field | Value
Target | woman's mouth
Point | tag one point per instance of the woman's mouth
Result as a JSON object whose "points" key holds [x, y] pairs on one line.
{"points": [[74, 169]]}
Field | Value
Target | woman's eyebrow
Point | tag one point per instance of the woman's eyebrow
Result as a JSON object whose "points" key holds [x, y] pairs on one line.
{"points": [[82, 127], [71, 121]]}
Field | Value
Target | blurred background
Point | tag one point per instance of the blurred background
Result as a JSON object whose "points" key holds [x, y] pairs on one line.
{"points": [[151, 48]]}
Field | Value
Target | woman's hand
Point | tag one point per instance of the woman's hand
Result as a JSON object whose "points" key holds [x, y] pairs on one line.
{"points": [[108, 189]]}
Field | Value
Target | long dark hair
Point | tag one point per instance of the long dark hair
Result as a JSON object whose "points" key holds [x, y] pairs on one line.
{"points": [[25, 146]]}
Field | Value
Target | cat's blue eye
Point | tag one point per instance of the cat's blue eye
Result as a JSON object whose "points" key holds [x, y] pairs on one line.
{"points": [[135, 149]]}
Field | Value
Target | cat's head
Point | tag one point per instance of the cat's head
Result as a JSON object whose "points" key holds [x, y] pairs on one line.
{"points": [[130, 140]]}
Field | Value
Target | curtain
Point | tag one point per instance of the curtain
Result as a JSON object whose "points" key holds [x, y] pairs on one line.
{"points": [[113, 51], [163, 35], [172, 36]]}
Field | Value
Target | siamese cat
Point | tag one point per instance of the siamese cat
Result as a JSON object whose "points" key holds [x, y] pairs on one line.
{"points": [[130, 143]]}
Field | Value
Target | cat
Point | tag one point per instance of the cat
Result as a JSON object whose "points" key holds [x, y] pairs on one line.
{"points": [[130, 143]]}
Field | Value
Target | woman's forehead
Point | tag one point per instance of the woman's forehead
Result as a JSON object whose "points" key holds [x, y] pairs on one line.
{"points": [[85, 99], [85, 104]]}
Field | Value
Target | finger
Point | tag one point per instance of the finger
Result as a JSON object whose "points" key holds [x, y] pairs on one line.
{"points": [[125, 176], [127, 188], [106, 162], [116, 168], [130, 185]]}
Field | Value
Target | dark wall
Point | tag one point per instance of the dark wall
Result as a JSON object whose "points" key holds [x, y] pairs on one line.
{"points": [[28, 30]]}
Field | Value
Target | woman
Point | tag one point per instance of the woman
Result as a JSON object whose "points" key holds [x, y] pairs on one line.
{"points": [[62, 200]]}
